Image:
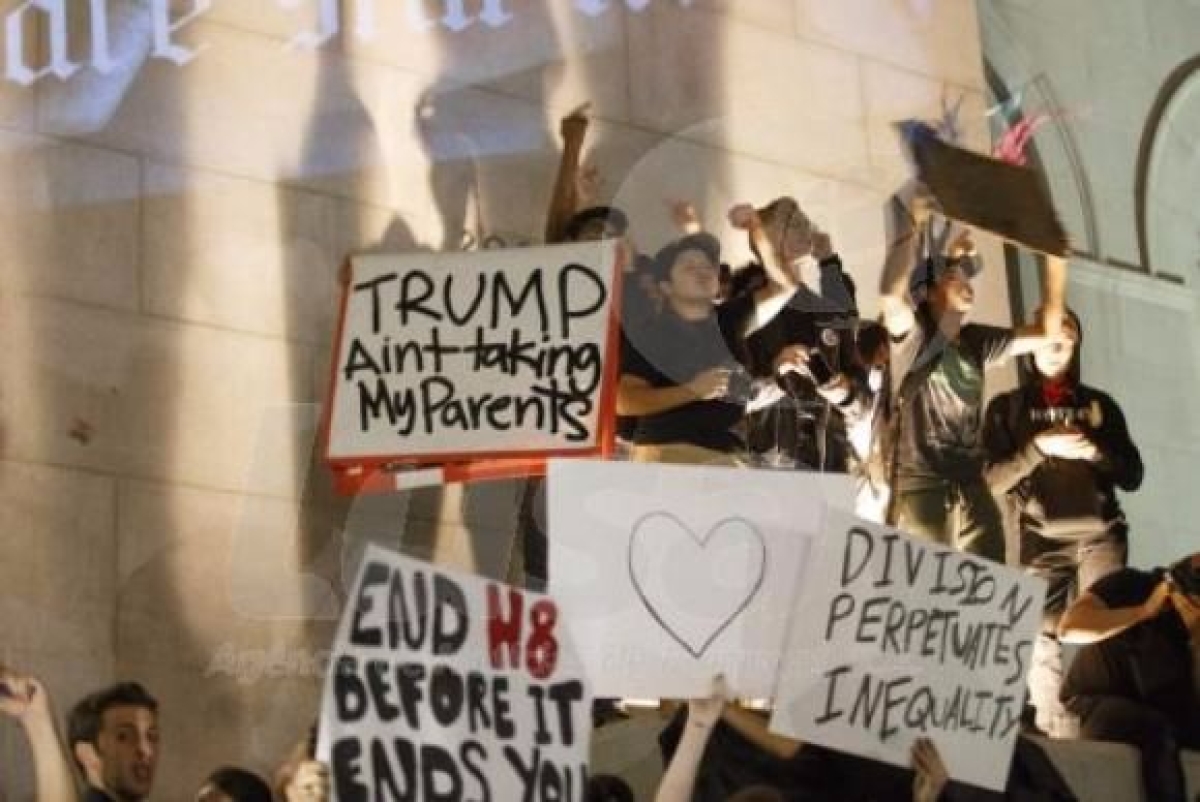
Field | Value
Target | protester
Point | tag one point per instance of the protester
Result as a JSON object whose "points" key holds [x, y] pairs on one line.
{"points": [[747, 762], [231, 784], [804, 430], [683, 372], [113, 737], [1136, 679], [25, 699], [679, 781], [567, 222], [929, 436], [1057, 450]]}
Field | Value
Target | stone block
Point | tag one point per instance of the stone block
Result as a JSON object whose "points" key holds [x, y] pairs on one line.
{"points": [[204, 575], [140, 397], [72, 229], [937, 39], [894, 94], [793, 102], [58, 581], [240, 254]]}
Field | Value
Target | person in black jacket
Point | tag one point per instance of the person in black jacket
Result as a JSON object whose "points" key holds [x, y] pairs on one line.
{"points": [[1137, 678], [1057, 450], [805, 429]]}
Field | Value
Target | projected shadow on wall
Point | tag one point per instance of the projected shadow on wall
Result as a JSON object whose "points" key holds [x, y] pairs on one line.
{"points": [[489, 127]]}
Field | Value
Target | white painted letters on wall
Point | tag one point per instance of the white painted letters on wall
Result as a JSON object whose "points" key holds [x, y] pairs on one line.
{"points": [[164, 47], [17, 67]]}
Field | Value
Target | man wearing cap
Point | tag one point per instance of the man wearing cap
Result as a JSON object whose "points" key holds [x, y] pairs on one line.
{"points": [[682, 372], [1136, 679], [927, 434]]}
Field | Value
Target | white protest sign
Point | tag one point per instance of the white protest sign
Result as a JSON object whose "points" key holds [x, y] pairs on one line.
{"points": [[458, 356], [444, 686], [893, 639], [668, 574]]}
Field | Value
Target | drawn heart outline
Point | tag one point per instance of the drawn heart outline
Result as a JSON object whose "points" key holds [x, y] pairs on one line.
{"points": [[703, 543]]}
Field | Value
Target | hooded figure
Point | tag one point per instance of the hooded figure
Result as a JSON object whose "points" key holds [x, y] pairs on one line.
{"points": [[1057, 450]]}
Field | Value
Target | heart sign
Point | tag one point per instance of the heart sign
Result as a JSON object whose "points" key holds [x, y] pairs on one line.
{"points": [[695, 586]]}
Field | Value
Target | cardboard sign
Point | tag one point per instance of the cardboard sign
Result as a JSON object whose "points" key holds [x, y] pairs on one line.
{"points": [[668, 574], [444, 358], [894, 639], [1010, 201], [444, 686]]}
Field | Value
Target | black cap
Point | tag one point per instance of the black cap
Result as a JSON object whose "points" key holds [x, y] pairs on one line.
{"points": [[704, 242], [930, 269]]}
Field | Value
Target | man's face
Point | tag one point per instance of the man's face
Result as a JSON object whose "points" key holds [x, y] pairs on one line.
{"points": [[311, 783], [1055, 357], [694, 277], [953, 292], [127, 747]]}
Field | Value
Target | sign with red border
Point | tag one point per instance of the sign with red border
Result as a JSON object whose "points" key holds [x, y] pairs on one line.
{"points": [[461, 366]]}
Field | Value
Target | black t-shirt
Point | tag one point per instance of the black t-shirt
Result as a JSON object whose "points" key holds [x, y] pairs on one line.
{"points": [[1150, 662], [941, 392], [668, 351], [92, 795]]}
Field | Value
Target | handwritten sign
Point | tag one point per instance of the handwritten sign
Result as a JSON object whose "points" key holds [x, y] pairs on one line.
{"points": [[894, 639], [458, 356], [1010, 201], [668, 574], [445, 686]]}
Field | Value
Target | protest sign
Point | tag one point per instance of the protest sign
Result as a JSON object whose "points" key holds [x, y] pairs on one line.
{"points": [[443, 358], [893, 639], [444, 686], [668, 575], [1008, 200]]}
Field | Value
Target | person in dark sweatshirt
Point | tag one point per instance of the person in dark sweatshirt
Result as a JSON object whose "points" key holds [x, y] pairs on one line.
{"points": [[1057, 450]]}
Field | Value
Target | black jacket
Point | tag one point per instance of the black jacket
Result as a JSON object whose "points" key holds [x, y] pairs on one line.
{"points": [[1056, 498], [805, 426]]}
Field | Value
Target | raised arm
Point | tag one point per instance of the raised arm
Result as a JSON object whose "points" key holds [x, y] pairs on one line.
{"points": [[837, 287], [905, 216], [684, 217], [679, 780], [1089, 619], [637, 398], [1049, 320], [564, 199], [770, 299], [25, 699]]}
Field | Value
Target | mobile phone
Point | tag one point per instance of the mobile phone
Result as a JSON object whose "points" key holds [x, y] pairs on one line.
{"points": [[818, 368]]}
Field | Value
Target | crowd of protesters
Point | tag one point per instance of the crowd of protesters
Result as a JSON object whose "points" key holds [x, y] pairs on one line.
{"points": [[750, 366]]}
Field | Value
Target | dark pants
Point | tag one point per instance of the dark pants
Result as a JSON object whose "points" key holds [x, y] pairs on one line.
{"points": [[1114, 718], [531, 530], [1069, 567], [961, 515]]}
